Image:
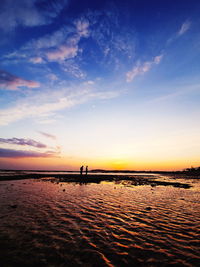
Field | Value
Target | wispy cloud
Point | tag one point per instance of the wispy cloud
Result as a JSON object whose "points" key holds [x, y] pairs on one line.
{"points": [[184, 28], [22, 142], [11, 82], [32, 148], [73, 69], [82, 27], [60, 46], [47, 104], [142, 68], [28, 13], [62, 53], [36, 60], [13, 153], [177, 91], [90, 82], [115, 42], [52, 77], [25, 110], [51, 136], [50, 40], [70, 48], [68, 45]]}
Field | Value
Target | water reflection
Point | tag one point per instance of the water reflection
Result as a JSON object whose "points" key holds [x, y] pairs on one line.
{"points": [[107, 224]]}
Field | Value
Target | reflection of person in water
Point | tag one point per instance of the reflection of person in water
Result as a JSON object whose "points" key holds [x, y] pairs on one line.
{"points": [[81, 170], [86, 170]]}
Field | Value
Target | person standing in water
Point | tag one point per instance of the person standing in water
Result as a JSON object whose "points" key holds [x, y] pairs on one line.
{"points": [[81, 170], [86, 170]]}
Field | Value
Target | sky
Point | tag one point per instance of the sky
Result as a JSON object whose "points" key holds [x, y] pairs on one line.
{"points": [[109, 84]]}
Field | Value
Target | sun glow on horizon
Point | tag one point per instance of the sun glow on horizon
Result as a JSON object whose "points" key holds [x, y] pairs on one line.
{"points": [[66, 164]]}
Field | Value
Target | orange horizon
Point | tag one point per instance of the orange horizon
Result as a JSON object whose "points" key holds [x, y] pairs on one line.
{"points": [[64, 164]]}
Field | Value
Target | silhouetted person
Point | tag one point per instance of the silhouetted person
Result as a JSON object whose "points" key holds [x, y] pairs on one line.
{"points": [[81, 170], [86, 170]]}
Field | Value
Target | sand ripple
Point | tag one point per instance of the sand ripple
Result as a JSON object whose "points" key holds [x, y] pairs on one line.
{"points": [[62, 224]]}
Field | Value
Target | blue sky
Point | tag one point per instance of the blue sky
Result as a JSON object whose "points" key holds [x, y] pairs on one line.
{"points": [[113, 84]]}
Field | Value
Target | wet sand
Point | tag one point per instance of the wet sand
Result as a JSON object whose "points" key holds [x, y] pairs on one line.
{"points": [[119, 222], [146, 179]]}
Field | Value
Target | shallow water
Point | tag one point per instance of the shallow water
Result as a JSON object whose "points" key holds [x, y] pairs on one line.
{"points": [[45, 223]]}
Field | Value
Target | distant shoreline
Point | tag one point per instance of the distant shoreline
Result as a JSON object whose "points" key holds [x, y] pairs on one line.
{"points": [[97, 171], [190, 172], [147, 179]]}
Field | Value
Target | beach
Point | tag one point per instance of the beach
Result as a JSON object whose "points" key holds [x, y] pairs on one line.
{"points": [[101, 220], [152, 179]]}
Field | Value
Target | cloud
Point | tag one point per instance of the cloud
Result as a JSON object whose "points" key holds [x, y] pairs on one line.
{"points": [[13, 153], [115, 42], [16, 153], [105, 95], [12, 82], [36, 60], [142, 68], [90, 82], [28, 13], [52, 77], [112, 44], [26, 110], [47, 135], [62, 53], [72, 68], [184, 28], [60, 46], [50, 40], [45, 105], [70, 48], [82, 27], [158, 59], [22, 142]]}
